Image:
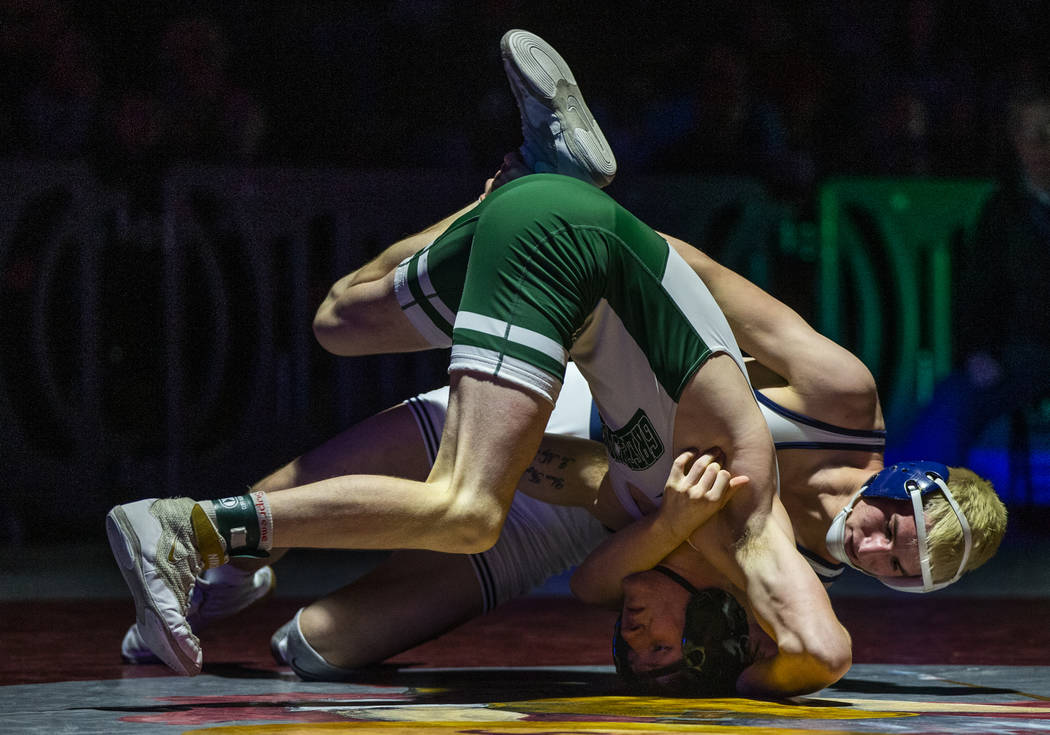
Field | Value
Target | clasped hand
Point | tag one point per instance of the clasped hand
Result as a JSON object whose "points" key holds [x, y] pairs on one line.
{"points": [[696, 489]]}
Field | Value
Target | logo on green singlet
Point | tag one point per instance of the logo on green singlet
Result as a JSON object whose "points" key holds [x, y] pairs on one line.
{"points": [[636, 445]]}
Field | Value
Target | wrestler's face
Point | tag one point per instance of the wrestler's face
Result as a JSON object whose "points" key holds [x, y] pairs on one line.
{"points": [[880, 537], [653, 619], [1032, 141]]}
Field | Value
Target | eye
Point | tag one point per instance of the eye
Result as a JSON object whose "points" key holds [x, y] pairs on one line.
{"points": [[889, 530]]}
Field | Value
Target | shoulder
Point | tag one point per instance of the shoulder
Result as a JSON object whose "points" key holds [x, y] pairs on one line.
{"points": [[838, 388]]}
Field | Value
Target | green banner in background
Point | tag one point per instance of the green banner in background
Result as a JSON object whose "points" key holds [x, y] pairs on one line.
{"points": [[886, 277]]}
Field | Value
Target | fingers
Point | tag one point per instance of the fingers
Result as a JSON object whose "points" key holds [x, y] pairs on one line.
{"points": [[704, 476]]}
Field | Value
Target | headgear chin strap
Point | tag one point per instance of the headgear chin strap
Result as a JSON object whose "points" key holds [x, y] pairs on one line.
{"points": [[904, 481]]}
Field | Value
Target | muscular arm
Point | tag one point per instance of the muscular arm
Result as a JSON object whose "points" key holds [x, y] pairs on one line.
{"points": [[814, 650], [817, 369], [569, 470], [355, 316], [694, 492]]}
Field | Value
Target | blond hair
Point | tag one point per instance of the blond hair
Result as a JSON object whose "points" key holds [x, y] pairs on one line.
{"points": [[985, 514]]}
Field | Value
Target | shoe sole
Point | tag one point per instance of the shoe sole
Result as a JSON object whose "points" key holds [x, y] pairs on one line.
{"points": [[532, 63], [148, 657], [124, 543]]}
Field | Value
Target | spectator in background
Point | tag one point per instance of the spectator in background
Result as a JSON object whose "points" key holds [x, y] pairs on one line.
{"points": [[193, 110], [50, 83], [1002, 331], [211, 117], [920, 113], [736, 129]]}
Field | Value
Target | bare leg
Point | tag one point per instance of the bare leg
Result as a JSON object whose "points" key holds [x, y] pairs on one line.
{"points": [[383, 444], [411, 597], [461, 506]]}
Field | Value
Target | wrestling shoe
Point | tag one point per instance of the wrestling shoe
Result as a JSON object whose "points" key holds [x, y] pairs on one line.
{"points": [[161, 547], [217, 594], [561, 135], [290, 648]]}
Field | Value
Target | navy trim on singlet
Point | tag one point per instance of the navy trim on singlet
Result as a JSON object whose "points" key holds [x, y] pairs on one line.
{"points": [[430, 432], [485, 577], [596, 423], [877, 436], [843, 446], [829, 571]]}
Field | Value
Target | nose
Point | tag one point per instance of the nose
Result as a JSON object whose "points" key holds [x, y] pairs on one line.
{"points": [[873, 544]]}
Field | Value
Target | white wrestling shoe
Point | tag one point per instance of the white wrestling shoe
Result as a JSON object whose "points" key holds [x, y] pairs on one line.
{"points": [[158, 546], [561, 135], [290, 648], [217, 594]]}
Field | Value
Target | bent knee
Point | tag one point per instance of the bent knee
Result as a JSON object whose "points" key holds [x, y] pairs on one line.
{"points": [[469, 521], [476, 531], [333, 334]]}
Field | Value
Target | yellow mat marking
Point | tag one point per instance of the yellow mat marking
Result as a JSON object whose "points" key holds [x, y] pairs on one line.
{"points": [[501, 728]]}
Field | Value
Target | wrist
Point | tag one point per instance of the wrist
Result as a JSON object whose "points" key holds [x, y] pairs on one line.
{"points": [[664, 527]]}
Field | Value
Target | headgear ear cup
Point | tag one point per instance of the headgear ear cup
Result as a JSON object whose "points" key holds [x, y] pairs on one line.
{"points": [[716, 645]]}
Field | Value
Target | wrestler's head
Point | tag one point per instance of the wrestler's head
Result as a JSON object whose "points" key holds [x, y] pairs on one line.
{"points": [[1029, 126], [962, 523], [674, 639]]}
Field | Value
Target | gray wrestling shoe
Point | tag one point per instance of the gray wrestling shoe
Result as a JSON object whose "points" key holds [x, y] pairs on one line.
{"points": [[217, 594], [561, 135], [158, 546]]}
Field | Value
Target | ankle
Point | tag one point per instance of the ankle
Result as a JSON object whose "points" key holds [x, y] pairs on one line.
{"points": [[244, 523]]}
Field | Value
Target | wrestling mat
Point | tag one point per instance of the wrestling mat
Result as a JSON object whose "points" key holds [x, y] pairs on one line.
{"points": [[536, 665]]}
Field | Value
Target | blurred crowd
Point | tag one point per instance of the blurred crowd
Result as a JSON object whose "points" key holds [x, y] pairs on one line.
{"points": [[788, 92], [784, 92]]}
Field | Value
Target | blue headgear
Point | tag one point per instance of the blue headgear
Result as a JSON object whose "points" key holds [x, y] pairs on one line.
{"points": [[904, 481]]}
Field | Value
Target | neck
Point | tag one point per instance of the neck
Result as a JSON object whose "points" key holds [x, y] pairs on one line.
{"points": [[846, 481]]}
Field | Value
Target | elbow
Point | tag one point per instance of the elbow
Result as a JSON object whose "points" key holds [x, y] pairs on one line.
{"points": [[823, 660], [835, 660]]}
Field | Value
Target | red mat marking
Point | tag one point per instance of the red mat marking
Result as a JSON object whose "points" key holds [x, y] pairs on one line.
{"points": [[80, 640]]}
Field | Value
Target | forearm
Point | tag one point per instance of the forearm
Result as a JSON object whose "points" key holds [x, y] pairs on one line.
{"points": [[813, 648], [696, 489], [361, 314], [640, 546], [567, 470]]}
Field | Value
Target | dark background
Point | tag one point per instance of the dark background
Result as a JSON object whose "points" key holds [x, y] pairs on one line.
{"points": [[788, 96]]}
